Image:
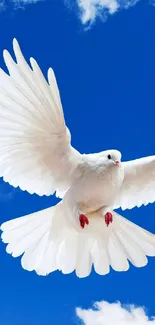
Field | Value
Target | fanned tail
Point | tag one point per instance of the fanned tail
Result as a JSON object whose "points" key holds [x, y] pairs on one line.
{"points": [[48, 243], [126, 242]]}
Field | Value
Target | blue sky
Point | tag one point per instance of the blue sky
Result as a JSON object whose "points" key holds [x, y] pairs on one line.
{"points": [[106, 76]]}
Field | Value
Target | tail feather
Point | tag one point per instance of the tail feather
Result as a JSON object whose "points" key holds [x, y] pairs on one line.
{"points": [[34, 255], [137, 242], [117, 254], [21, 238], [48, 263], [133, 252], [84, 260], [100, 258], [144, 239], [49, 244], [67, 255]]}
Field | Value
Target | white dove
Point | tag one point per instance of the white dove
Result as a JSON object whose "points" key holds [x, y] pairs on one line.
{"points": [[35, 154]]}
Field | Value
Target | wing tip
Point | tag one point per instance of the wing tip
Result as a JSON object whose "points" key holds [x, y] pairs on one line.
{"points": [[15, 42], [32, 60], [16, 48], [5, 53]]}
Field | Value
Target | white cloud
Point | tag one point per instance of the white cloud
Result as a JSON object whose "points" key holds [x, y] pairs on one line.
{"points": [[16, 4], [104, 313], [21, 4], [90, 9]]}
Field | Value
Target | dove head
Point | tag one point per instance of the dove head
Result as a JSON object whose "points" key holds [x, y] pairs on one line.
{"points": [[111, 157]]}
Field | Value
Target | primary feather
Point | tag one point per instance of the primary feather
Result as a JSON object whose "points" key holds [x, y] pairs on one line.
{"points": [[35, 150]]}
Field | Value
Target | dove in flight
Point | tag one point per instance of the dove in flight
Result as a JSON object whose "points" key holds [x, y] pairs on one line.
{"points": [[36, 154]]}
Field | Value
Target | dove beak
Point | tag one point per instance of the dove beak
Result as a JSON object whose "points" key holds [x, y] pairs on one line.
{"points": [[117, 162]]}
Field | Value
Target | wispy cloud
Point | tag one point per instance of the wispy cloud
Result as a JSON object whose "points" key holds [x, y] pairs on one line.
{"points": [[104, 313], [24, 2], [91, 9], [16, 4]]}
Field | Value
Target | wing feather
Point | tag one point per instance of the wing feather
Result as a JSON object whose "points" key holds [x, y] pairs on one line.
{"points": [[35, 149], [138, 187]]}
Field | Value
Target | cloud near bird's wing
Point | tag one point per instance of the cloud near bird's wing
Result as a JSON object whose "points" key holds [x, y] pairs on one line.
{"points": [[104, 313]]}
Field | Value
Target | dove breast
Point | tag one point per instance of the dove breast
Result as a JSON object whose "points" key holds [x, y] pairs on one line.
{"points": [[96, 187]]}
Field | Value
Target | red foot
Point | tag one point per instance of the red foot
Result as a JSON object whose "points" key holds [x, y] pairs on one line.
{"points": [[108, 218], [83, 220]]}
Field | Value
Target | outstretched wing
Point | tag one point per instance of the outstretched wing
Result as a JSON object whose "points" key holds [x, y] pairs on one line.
{"points": [[35, 150], [138, 187]]}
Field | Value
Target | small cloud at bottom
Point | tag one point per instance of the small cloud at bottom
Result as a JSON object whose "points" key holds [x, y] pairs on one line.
{"points": [[104, 313]]}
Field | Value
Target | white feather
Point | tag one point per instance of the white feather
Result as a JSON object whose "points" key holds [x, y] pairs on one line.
{"points": [[35, 151], [48, 244], [138, 186]]}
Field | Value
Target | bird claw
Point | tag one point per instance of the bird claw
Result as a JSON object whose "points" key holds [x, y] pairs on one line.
{"points": [[83, 220], [108, 218]]}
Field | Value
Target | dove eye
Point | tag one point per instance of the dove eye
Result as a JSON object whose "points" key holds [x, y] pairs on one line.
{"points": [[109, 156]]}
